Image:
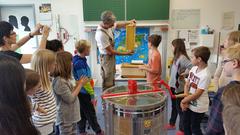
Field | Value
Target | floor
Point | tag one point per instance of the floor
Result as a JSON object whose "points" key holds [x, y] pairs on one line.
{"points": [[101, 118]]}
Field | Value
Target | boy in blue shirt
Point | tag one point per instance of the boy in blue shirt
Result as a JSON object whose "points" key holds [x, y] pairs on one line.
{"points": [[86, 95]]}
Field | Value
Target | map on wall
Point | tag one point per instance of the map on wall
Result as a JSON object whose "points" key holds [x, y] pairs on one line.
{"points": [[141, 46]]}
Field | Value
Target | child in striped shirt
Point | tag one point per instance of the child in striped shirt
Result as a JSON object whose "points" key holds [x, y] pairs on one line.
{"points": [[43, 62]]}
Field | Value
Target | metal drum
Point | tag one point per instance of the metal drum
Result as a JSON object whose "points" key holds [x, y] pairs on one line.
{"points": [[137, 114]]}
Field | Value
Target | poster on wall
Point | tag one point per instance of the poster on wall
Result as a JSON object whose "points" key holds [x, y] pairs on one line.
{"points": [[185, 19], [190, 37], [228, 20], [45, 14], [140, 48], [23, 20]]}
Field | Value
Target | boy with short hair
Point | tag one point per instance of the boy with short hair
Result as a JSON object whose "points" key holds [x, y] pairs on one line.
{"points": [[86, 95], [231, 66], [196, 100]]}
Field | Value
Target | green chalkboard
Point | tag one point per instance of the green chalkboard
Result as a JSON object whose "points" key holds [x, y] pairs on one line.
{"points": [[136, 9], [148, 9], [92, 9]]}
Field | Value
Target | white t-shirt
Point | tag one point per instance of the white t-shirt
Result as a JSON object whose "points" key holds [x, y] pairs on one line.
{"points": [[102, 38], [200, 80]]}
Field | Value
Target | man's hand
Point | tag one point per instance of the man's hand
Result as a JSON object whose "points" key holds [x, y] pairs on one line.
{"points": [[133, 22], [130, 52]]}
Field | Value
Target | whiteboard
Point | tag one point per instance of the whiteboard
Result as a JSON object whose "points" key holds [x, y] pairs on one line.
{"points": [[185, 19]]}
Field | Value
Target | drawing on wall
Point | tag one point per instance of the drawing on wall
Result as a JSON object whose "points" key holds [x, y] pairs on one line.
{"points": [[13, 20], [24, 22]]}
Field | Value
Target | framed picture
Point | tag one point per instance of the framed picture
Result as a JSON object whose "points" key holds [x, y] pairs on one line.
{"points": [[22, 17]]}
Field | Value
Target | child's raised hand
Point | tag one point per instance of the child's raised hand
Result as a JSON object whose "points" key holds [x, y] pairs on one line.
{"points": [[83, 80], [46, 30]]}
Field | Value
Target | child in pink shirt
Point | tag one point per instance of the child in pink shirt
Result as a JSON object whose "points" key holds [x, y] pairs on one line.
{"points": [[153, 68]]}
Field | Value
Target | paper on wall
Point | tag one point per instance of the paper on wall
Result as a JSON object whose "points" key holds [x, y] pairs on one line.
{"points": [[228, 20], [207, 40], [185, 19]]}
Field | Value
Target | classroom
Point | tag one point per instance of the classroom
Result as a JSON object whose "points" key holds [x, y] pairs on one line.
{"points": [[119, 67]]}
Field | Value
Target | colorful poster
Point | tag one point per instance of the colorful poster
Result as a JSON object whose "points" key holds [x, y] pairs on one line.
{"points": [[140, 48]]}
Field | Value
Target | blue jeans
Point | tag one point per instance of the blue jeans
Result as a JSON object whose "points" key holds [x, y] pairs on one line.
{"points": [[192, 121]]}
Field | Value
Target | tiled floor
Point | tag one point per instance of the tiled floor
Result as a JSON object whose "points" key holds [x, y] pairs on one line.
{"points": [[101, 118]]}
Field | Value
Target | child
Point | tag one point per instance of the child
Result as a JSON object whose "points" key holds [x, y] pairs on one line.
{"points": [[66, 95], [86, 95], [55, 45], [231, 109], [43, 62], [196, 101], [219, 77], [153, 68], [181, 64], [32, 86], [15, 112], [231, 68]]}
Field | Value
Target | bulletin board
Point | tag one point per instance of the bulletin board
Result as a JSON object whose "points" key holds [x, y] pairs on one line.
{"points": [[185, 19]]}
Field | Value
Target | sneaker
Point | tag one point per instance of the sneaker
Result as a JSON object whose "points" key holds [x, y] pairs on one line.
{"points": [[170, 127], [179, 132]]}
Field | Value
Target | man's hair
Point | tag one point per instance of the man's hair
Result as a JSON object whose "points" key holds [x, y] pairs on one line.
{"points": [[108, 17], [5, 30], [202, 52], [81, 45]]}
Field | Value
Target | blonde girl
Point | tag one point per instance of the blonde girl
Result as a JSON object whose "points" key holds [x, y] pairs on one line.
{"points": [[43, 62]]}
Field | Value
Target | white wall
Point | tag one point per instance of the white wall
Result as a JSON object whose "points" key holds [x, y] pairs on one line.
{"points": [[211, 12], [71, 18]]}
